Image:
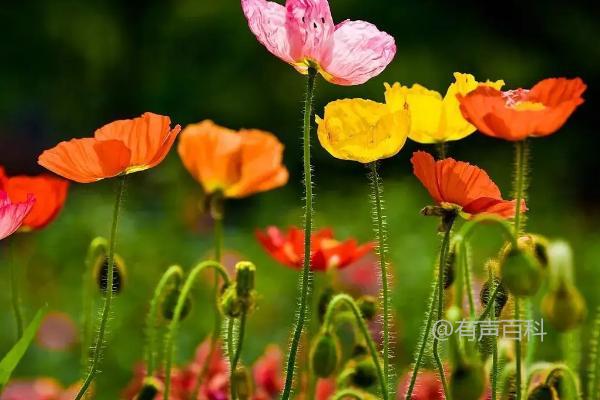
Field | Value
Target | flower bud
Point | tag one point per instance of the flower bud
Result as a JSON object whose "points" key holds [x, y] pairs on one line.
{"points": [[368, 307], [543, 392], [242, 383], [101, 274], [467, 381], [365, 373], [521, 273], [245, 273], [169, 304], [230, 303], [501, 295], [150, 389], [325, 355], [564, 307], [540, 250]]}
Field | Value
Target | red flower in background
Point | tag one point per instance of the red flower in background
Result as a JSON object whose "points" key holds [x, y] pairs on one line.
{"points": [[38, 389], [457, 183], [327, 252], [49, 191], [517, 114]]}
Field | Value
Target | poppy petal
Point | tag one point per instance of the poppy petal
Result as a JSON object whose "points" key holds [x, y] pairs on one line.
{"points": [[360, 52], [425, 170], [502, 208], [13, 214], [309, 28]]}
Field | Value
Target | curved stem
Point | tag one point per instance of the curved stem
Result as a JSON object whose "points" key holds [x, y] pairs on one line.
{"points": [[175, 273], [16, 299], [440, 306], [305, 278], [423, 342], [174, 325], [349, 301], [348, 393], [379, 221], [100, 342], [237, 353], [98, 247]]}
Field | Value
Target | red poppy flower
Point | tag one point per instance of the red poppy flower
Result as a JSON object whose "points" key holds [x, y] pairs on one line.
{"points": [[49, 191], [288, 248], [517, 114], [120, 147], [454, 183]]}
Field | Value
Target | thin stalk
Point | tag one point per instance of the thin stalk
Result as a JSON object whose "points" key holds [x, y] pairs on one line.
{"points": [[593, 383], [173, 273], [16, 299], [441, 148], [440, 306], [305, 276], [174, 325], [100, 341], [494, 371], [216, 211], [520, 187], [466, 261], [423, 342], [349, 301], [238, 351], [98, 247], [381, 234]]}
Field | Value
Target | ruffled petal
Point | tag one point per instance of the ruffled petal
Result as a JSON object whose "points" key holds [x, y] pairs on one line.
{"points": [[360, 52], [149, 138], [13, 214], [267, 21], [424, 169], [310, 31], [486, 205], [87, 160]]}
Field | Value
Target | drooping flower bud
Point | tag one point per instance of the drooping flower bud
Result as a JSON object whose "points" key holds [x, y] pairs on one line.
{"points": [[324, 299], [325, 354], [501, 295], [230, 303], [543, 392], [101, 274], [365, 373], [467, 381], [521, 272], [564, 307], [169, 304], [242, 383], [151, 386], [368, 307]]}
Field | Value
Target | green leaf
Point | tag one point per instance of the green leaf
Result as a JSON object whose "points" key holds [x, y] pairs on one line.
{"points": [[12, 358]]}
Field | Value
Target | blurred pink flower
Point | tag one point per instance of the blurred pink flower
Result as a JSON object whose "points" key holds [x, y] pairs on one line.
{"points": [[13, 214], [427, 386], [38, 389], [302, 33], [57, 332]]}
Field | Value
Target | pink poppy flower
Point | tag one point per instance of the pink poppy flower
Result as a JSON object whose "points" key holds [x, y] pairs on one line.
{"points": [[302, 33], [13, 214]]}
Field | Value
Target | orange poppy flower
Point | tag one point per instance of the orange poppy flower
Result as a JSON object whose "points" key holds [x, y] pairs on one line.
{"points": [[49, 191], [457, 184], [327, 252], [236, 163], [120, 147], [517, 114]]}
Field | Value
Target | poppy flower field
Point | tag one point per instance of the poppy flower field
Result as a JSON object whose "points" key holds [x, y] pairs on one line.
{"points": [[298, 204]]}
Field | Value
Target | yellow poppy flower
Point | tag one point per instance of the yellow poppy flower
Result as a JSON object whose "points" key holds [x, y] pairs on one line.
{"points": [[362, 130], [435, 119]]}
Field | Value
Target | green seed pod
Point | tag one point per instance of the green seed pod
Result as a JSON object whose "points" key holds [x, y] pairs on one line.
{"points": [[245, 275], [365, 373], [230, 303], [325, 355], [150, 389], [170, 302], [101, 274], [564, 307], [324, 299], [450, 268], [242, 383], [368, 307], [543, 392], [521, 273], [467, 382], [501, 295]]}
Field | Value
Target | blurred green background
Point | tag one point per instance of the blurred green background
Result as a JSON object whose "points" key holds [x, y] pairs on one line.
{"points": [[70, 66]]}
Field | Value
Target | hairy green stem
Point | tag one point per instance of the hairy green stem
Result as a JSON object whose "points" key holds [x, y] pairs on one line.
{"points": [[328, 321], [98, 248], [379, 222], [173, 273], [466, 262], [305, 276], [174, 325], [495, 369], [237, 353], [593, 383], [108, 297], [440, 306], [16, 299]]}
